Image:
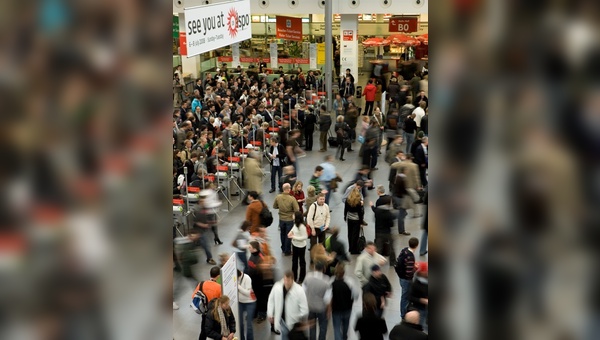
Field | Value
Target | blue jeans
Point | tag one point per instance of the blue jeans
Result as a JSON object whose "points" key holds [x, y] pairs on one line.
{"points": [[401, 215], [276, 173], [409, 138], [423, 248], [341, 323], [405, 284], [322, 321], [204, 244], [249, 309], [286, 243], [284, 330], [328, 194], [423, 319], [243, 259]]}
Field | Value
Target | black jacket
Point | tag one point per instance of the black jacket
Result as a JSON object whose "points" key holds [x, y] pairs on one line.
{"points": [[212, 327], [420, 157], [324, 122], [407, 331], [281, 154], [345, 131], [378, 287], [417, 291], [384, 220], [309, 122]]}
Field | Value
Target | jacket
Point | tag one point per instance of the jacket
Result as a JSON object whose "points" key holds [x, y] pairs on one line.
{"points": [[287, 205], [408, 259], [324, 122], [322, 217], [343, 294], [296, 305], [280, 154], [245, 289], [369, 92], [418, 290], [407, 331], [364, 262], [309, 122], [212, 327], [411, 170], [384, 219], [420, 156], [393, 90], [378, 287], [252, 175], [316, 285]]}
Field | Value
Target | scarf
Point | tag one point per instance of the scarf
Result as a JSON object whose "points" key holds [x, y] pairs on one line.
{"points": [[223, 321]]}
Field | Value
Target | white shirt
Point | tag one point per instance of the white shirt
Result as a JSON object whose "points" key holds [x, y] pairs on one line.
{"points": [[419, 113], [275, 154], [299, 236]]}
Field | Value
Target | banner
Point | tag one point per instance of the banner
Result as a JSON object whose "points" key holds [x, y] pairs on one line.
{"points": [[288, 28], [349, 44], [182, 44], [235, 55], [321, 54], [404, 24], [229, 285], [214, 26], [313, 56], [273, 50]]}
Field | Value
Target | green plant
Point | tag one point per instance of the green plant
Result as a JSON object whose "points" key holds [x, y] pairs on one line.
{"points": [[295, 49]]}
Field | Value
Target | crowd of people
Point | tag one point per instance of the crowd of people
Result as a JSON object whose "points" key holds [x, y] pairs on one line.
{"points": [[237, 116]]}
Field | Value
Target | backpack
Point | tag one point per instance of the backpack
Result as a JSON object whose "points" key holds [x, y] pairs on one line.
{"points": [[392, 122], [266, 218], [199, 300]]}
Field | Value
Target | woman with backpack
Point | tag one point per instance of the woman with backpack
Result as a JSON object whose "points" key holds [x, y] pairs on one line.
{"points": [[298, 234]]}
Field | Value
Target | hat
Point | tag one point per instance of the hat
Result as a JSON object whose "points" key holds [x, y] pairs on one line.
{"points": [[422, 267], [420, 135], [375, 268]]}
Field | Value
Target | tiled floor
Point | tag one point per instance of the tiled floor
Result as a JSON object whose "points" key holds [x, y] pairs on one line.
{"points": [[186, 323]]}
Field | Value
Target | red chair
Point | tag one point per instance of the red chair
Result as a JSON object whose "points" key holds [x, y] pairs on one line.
{"points": [[267, 136], [320, 94], [286, 117], [210, 178], [233, 159], [273, 129]]}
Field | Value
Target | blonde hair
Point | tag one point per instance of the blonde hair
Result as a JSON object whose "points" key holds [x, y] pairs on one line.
{"points": [[298, 183], [366, 119], [354, 197], [310, 190], [219, 301]]}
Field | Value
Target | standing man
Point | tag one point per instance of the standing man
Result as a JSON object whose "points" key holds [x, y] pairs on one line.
{"points": [[384, 221], [328, 175], [287, 206], [277, 159], [421, 160], [369, 93], [405, 268], [324, 125], [419, 113], [309, 128], [287, 305], [318, 218], [409, 126], [316, 286]]}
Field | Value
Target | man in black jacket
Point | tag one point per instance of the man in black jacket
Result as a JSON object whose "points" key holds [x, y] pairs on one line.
{"points": [[421, 160], [277, 159], [384, 220], [380, 286], [309, 128], [409, 329]]}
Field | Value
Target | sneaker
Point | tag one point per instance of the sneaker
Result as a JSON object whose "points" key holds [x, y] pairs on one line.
{"points": [[405, 233], [211, 261], [175, 306]]}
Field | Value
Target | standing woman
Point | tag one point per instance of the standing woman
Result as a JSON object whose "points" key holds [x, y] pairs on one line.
{"points": [[299, 235], [247, 304], [298, 194], [354, 214], [220, 322]]}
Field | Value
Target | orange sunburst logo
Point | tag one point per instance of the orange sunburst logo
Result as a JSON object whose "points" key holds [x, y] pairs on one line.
{"points": [[232, 22]]}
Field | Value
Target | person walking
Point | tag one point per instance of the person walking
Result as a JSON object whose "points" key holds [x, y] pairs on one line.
{"points": [[380, 287], [324, 125], [318, 219], [343, 295], [369, 92], [384, 220], [370, 326], [316, 286], [328, 175], [287, 205], [200, 222], [342, 131], [298, 235], [287, 305], [354, 215], [247, 305], [419, 295], [412, 182], [421, 159], [423, 250], [276, 157], [409, 328], [315, 180], [309, 128], [240, 243], [405, 268], [220, 321], [365, 262], [352, 120]]}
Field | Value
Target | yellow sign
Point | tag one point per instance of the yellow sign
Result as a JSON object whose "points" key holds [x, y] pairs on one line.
{"points": [[321, 54]]}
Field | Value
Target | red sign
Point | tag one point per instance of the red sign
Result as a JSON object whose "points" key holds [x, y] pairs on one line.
{"points": [[348, 35], [182, 43], [289, 28], [247, 59], [293, 61], [224, 59], [404, 24]]}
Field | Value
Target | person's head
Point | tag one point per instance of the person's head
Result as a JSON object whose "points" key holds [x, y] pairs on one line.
{"points": [[335, 231], [386, 201], [347, 71], [398, 140], [288, 279], [340, 271], [246, 225], [298, 218], [274, 141], [370, 81], [380, 190], [321, 199], [422, 104], [366, 119], [340, 118], [318, 171], [253, 247], [413, 243], [425, 141], [369, 303], [371, 248], [354, 197], [412, 317], [360, 184], [329, 158], [286, 188], [288, 169], [298, 186], [422, 93], [310, 190], [223, 303], [364, 170], [215, 272], [319, 267], [252, 195], [194, 155], [376, 271]]}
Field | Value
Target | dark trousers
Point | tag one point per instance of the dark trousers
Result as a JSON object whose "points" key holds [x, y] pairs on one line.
{"points": [[308, 136], [385, 241], [353, 235], [202, 332], [299, 257], [318, 238], [369, 108], [286, 243], [276, 172], [423, 175], [323, 140]]}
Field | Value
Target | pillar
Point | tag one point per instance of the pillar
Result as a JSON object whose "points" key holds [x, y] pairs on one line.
{"points": [[349, 44]]}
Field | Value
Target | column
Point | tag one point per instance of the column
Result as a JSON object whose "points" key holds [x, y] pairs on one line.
{"points": [[189, 65], [349, 44]]}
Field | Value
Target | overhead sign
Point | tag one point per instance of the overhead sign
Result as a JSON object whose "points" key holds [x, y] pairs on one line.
{"points": [[214, 26], [404, 24], [289, 28]]}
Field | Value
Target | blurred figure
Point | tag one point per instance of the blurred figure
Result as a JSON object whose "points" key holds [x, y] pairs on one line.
{"points": [[422, 160], [240, 243], [207, 202], [370, 326], [424, 237], [419, 295], [289, 175], [343, 294], [202, 221], [366, 261], [298, 235], [253, 173], [329, 174], [342, 131], [287, 305], [220, 321], [405, 269], [316, 286], [287, 206], [247, 305], [351, 118], [324, 125], [185, 252], [410, 180], [380, 287], [409, 328]]}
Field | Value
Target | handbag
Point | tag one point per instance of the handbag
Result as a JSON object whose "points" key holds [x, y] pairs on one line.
{"points": [[362, 241], [361, 139], [308, 228]]}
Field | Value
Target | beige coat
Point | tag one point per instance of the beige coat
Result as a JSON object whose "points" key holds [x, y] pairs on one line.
{"points": [[252, 175], [411, 170]]}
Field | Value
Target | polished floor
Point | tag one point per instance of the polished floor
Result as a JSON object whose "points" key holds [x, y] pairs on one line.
{"points": [[186, 323]]}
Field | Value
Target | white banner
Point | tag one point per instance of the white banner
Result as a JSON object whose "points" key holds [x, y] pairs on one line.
{"points": [[235, 54], [273, 50], [313, 56], [210, 27], [229, 285]]}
